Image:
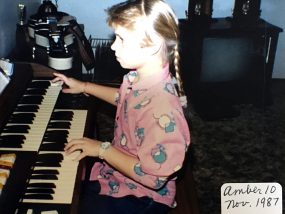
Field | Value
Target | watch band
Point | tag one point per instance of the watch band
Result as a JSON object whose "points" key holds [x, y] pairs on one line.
{"points": [[103, 147]]}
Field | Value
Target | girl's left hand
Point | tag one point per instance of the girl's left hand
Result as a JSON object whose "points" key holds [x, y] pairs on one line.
{"points": [[88, 147]]}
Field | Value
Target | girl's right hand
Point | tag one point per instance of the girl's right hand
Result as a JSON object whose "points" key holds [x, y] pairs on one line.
{"points": [[73, 86]]}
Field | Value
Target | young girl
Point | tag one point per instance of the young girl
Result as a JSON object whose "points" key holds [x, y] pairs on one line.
{"points": [[151, 135]]}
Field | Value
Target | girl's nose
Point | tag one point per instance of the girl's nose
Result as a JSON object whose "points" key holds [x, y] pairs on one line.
{"points": [[113, 46]]}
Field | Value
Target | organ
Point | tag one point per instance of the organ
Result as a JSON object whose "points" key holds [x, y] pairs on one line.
{"points": [[36, 120]]}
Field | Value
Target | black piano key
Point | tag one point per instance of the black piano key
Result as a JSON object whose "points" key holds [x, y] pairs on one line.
{"points": [[26, 108], [40, 190], [39, 84], [22, 118], [38, 196], [55, 139], [59, 125], [56, 132], [62, 115], [20, 121], [12, 139], [48, 163], [31, 100], [11, 145], [49, 160], [42, 185], [44, 177], [46, 171], [24, 115], [60, 141], [50, 156], [16, 129], [36, 91], [52, 146]]}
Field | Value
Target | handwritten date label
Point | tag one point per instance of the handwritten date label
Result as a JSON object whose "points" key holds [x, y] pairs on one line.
{"points": [[251, 198]]}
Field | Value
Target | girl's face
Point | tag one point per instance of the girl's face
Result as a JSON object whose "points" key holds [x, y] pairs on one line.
{"points": [[128, 48]]}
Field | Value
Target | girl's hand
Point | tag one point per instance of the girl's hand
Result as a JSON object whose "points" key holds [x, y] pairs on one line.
{"points": [[74, 86], [88, 147]]}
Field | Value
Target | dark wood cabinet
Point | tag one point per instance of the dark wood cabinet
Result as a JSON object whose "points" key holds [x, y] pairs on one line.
{"points": [[224, 63]]}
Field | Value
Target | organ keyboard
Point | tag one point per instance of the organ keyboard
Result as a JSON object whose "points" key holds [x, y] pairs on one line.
{"points": [[28, 122], [35, 127]]}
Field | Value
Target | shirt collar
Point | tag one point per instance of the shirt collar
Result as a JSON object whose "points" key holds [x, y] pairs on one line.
{"points": [[147, 82]]}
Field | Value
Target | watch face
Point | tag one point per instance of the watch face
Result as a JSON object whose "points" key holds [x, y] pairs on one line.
{"points": [[105, 145]]}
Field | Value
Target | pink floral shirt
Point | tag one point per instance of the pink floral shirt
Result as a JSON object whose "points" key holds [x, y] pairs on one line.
{"points": [[149, 125]]}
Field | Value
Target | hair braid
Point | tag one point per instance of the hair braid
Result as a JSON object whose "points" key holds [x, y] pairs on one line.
{"points": [[177, 71]]}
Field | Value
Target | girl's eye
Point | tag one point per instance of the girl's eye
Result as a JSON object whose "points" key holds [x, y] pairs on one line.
{"points": [[119, 39]]}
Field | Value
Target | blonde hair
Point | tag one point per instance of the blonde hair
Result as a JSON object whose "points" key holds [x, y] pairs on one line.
{"points": [[160, 19]]}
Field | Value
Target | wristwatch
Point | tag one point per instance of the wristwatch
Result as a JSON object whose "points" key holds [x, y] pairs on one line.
{"points": [[103, 147]]}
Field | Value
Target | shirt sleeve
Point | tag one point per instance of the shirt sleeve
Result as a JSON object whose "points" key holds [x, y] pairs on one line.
{"points": [[163, 138]]}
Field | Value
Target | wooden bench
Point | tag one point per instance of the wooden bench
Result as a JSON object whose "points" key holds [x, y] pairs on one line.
{"points": [[186, 196]]}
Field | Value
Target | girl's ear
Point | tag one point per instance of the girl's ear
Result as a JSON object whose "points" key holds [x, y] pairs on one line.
{"points": [[154, 48], [157, 48]]}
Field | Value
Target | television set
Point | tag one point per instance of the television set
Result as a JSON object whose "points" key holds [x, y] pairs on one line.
{"points": [[224, 65], [226, 59]]}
